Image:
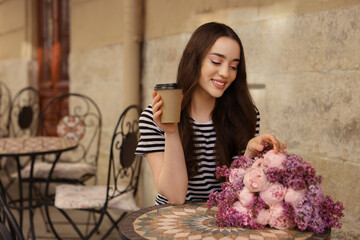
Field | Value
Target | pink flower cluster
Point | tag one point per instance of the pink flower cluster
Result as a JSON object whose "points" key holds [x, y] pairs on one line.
{"points": [[278, 190]]}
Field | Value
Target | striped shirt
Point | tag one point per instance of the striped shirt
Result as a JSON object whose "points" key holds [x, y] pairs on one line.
{"points": [[200, 186]]}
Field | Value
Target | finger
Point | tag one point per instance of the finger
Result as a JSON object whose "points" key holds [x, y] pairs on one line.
{"points": [[275, 143], [283, 148], [256, 146], [156, 99], [157, 114], [157, 106]]}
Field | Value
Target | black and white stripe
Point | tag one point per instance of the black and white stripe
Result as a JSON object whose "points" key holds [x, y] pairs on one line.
{"points": [[199, 187]]}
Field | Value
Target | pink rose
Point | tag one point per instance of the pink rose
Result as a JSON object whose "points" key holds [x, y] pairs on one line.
{"points": [[255, 179], [278, 219], [294, 197], [274, 193], [240, 208], [245, 196], [236, 174], [260, 163], [263, 217], [274, 160]]}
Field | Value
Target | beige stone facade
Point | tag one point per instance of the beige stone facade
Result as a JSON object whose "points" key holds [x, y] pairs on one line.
{"points": [[306, 54]]}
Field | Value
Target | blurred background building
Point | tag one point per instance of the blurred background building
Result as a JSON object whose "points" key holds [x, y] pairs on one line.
{"points": [[303, 64]]}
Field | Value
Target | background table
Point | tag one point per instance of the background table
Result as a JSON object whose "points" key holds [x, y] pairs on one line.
{"points": [[194, 220], [32, 147]]}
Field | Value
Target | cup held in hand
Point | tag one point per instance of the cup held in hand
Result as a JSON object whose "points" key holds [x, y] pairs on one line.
{"points": [[171, 95]]}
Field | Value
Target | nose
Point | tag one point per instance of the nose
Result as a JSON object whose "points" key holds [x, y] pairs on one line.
{"points": [[224, 71]]}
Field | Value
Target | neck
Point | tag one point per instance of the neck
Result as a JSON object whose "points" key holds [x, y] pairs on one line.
{"points": [[202, 105]]}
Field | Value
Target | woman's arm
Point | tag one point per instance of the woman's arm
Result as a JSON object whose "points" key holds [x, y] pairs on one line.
{"points": [[169, 167]]}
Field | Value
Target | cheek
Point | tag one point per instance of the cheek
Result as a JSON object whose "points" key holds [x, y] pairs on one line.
{"points": [[231, 82], [233, 76]]}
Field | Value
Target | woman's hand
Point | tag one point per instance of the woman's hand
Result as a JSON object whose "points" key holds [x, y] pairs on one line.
{"points": [[256, 144], [156, 104]]}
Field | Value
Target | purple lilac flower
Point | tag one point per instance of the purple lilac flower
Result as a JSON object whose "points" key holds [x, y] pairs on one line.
{"points": [[223, 171], [274, 174], [289, 212], [242, 162], [256, 205]]}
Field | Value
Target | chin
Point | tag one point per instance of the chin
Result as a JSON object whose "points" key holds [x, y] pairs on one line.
{"points": [[217, 94]]}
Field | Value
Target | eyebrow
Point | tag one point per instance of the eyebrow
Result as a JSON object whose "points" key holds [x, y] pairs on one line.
{"points": [[223, 56]]}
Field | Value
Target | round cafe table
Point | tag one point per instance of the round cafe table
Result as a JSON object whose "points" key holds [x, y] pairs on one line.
{"points": [[194, 220]]}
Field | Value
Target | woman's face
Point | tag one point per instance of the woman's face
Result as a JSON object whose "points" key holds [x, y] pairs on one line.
{"points": [[219, 67]]}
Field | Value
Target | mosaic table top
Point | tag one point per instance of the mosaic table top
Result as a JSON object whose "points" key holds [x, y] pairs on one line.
{"points": [[194, 220], [36, 145]]}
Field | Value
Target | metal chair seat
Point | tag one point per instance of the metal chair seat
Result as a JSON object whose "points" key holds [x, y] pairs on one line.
{"points": [[68, 196], [63, 170]]}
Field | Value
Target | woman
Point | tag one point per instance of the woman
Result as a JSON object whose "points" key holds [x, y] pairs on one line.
{"points": [[218, 119]]}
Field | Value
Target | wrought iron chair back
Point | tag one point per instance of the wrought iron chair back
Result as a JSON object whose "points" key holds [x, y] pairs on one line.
{"points": [[76, 116], [9, 229], [24, 113], [5, 106], [124, 164]]}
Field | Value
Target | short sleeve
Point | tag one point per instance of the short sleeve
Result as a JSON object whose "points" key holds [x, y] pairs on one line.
{"points": [[152, 137]]}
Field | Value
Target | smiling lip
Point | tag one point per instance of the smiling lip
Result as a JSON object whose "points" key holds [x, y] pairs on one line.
{"points": [[218, 83]]}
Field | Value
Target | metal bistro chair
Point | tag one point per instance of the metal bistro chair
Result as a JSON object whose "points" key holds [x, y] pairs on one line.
{"points": [[122, 182], [76, 116], [9, 229]]}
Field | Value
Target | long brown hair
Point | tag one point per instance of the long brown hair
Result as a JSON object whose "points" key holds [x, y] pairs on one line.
{"points": [[234, 115]]}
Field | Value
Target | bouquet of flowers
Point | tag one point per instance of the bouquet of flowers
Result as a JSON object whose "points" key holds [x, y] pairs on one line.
{"points": [[279, 190]]}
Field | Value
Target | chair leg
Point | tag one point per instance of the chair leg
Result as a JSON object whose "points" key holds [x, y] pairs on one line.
{"points": [[114, 224], [69, 220], [37, 191], [43, 217], [82, 235], [88, 222]]}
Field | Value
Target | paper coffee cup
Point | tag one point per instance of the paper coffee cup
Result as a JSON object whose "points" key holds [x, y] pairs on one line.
{"points": [[171, 95]]}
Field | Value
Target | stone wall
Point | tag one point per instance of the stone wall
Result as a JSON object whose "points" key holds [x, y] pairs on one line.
{"points": [[17, 64], [310, 66], [98, 73]]}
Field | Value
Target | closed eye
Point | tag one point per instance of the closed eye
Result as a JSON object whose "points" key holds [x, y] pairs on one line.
{"points": [[214, 62]]}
